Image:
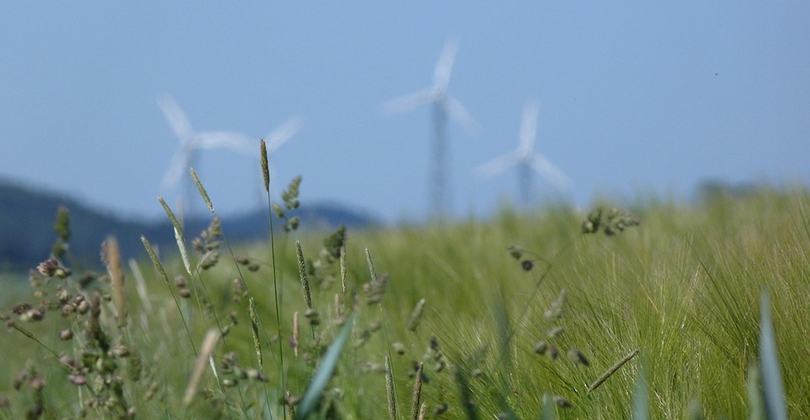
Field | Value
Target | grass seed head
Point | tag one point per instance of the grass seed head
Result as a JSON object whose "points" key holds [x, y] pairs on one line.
{"points": [[552, 352], [556, 309], [416, 315], [577, 357], [62, 224], [265, 169], [561, 402], [65, 334], [302, 273], [556, 331], [440, 408], [541, 347], [254, 329], [201, 189]]}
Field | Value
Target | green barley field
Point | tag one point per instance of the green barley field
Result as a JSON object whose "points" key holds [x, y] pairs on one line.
{"points": [[514, 317]]}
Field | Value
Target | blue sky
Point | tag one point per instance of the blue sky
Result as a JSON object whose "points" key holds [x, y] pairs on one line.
{"points": [[635, 96]]}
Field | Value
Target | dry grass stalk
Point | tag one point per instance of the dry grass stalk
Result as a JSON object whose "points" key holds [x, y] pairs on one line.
{"points": [[343, 269], [112, 255], [209, 343], [338, 311], [296, 331]]}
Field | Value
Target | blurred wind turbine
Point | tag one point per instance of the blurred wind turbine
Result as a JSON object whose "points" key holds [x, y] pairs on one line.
{"points": [[442, 106], [526, 159], [191, 142]]}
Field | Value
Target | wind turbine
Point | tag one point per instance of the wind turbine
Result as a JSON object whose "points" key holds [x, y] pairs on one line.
{"points": [[526, 159], [191, 142], [442, 106]]}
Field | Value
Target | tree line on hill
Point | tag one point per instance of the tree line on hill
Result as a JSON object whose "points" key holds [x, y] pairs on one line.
{"points": [[27, 218]]}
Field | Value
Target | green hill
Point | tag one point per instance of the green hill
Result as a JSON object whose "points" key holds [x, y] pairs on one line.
{"points": [[27, 218]]}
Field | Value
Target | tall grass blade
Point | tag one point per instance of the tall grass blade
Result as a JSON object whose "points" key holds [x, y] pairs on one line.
{"points": [[756, 402], [641, 397], [771, 376], [465, 392], [309, 402], [549, 412], [695, 412]]}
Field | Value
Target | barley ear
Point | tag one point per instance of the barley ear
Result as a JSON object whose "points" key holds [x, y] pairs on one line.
{"points": [[608, 373]]}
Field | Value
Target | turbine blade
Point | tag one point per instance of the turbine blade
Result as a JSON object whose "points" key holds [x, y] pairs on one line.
{"points": [[528, 127], [460, 114], [549, 171], [176, 117], [441, 74], [230, 140], [177, 168], [408, 102], [280, 135], [497, 165]]}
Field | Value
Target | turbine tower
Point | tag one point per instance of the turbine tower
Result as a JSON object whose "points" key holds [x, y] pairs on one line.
{"points": [[191, 142], [526, 159], [442, 105]]}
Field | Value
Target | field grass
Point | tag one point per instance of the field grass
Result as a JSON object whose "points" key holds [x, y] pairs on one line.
{"points": [[683, 289]]}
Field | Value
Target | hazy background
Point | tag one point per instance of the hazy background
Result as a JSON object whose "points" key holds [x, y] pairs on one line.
{"points": [[636, 96]]}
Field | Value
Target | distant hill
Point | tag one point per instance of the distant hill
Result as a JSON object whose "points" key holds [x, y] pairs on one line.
{"points": [[27, 217]]}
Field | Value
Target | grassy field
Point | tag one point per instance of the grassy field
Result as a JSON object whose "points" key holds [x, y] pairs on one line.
{"points": [[501, 299]]}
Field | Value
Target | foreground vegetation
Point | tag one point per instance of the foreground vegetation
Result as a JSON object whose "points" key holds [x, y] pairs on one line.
{"points": [[516, 317]]}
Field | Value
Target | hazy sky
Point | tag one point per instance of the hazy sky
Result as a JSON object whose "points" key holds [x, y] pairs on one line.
{"points": [[635, 96]]}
